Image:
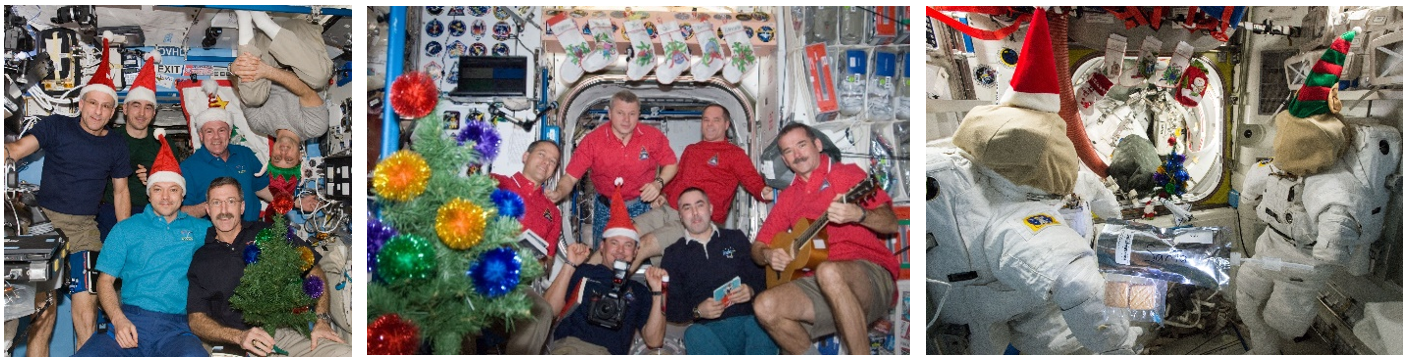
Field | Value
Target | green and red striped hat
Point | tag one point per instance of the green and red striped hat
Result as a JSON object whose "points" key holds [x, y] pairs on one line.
{"points": [[1313, 97]]}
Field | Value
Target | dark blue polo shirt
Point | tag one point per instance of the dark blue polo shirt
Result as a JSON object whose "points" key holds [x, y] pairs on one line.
{"points": [[596, 280], [695, 271]]}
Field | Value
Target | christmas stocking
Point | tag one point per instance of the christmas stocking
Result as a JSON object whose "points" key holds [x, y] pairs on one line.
{"points": [[712, 58], [1182, 56], [1091, 92], [573, 44], [1147, 62], [1191, 87], [642, 50], [676, 53], [605, 53], [742, 59], [1114, 55]]}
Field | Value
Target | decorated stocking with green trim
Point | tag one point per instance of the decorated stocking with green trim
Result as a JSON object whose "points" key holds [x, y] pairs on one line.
{"points": [[642, 51], [740, 46], [711, 58], [573, 44], [1182, 56], [676, 53], [605, 52]]}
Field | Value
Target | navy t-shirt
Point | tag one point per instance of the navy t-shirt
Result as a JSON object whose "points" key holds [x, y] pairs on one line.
{"points": [[596, 280], [78, 166]]}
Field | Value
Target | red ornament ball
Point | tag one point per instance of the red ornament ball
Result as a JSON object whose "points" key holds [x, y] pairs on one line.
{"points": [[390, 334], [1172, 140], [413, 95]]}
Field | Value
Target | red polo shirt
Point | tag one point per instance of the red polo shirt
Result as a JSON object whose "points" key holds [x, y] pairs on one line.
{"points": [[608, 158], [810, 199], [717, 168], [539, 214]]}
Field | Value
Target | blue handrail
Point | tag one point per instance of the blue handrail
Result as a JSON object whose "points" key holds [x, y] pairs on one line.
{"points": [[390, 125]]}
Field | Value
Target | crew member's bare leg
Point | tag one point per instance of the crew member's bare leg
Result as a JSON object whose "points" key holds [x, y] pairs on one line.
{"points": [[847, 290], [781, 310], [41, 325], [85, 317]]}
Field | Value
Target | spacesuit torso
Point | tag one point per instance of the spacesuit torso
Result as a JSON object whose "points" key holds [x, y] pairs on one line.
{"points": [[1014, 264]]}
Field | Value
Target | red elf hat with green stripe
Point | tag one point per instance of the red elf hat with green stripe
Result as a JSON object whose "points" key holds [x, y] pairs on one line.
{"points": [[1313, 97]]}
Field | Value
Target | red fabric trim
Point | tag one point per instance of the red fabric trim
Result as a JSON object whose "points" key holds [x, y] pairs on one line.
{"points": [[1326, 68], [1310, 93], [975, 32]]}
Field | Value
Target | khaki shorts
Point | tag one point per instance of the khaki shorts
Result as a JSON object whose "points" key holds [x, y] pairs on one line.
{"points": [[825, 317], [81, 230], [573, 345], [664, 223]]}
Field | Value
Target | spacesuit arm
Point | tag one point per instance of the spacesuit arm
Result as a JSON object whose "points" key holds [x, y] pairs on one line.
{"points": [[1079, 292], [1252, 188], [1338, 235]]}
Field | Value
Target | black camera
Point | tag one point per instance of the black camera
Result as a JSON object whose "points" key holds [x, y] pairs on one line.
{"points": [[81, 14], [608, 311]]}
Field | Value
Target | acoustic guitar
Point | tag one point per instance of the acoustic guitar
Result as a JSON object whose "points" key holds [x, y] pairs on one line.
{"points": [[806, 241]]}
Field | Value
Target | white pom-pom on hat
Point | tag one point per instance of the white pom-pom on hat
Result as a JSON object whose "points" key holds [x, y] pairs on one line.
{"points": [[620, 181]]}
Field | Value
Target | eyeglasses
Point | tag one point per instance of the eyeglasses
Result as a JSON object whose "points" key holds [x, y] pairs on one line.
{"points": [[220, 203]]}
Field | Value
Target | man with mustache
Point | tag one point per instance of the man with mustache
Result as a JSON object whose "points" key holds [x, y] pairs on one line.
{"points": [[856, 285], [713, 165], [150, 253], [218, 158], [703, 260], [82, 157], [626, 150], [216, 271]]}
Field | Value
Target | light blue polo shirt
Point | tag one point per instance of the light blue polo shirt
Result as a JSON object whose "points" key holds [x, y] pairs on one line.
{"points": [[203, 167], [151, 257]]}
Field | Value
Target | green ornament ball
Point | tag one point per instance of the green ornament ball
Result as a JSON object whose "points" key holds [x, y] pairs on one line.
{"points": [[405, 257]]}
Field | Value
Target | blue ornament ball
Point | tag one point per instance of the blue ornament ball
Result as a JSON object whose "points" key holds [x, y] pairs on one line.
{"points": [[251, 254], [509, 203], [496, 272]]}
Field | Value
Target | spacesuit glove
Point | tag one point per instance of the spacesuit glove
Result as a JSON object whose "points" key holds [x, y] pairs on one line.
{"points": [[1130, 344]]}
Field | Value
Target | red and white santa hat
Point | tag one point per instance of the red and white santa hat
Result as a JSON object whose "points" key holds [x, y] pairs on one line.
{"points": [[1034, 85], [216, 112], [620, 224], [165, 168], [102, 78], [144, 87]]}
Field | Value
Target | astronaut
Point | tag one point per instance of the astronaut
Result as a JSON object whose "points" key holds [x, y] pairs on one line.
{"points": [[1318, 201], [1020, 274]]}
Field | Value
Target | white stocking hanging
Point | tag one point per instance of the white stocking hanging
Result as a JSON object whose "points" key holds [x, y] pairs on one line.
{"points": [[711, 59], [642, 51], [676, 53], [573, 44], [604, 54], [741, 58]]}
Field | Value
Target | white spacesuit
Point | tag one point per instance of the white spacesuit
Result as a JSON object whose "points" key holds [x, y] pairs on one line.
{"points": [[1323, 197], [1019, 273], [1326, 220]]}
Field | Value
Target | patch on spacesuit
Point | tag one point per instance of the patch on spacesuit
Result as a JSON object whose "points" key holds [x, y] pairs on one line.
{"points": [[1040, 221]]}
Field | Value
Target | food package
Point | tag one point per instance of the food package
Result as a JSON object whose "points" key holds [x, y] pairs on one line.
{"points": [[1187, 255], [1141, 299]]}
